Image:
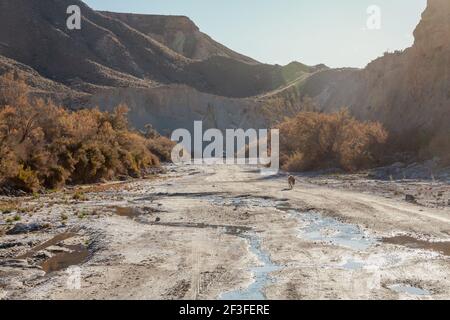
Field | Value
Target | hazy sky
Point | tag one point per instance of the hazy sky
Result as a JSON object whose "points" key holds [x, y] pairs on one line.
{"points": [[333, 32]]}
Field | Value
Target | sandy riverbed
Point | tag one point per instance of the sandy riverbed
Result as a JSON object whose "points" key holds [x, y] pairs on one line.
{"points": [[227, 232]]}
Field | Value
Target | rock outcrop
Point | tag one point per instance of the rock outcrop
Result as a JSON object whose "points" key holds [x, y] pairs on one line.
{"points": [[407, 90], [178, 106]]}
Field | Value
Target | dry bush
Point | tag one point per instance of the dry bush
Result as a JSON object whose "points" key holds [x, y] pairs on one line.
{"points": [[438, 146], [312, 140], [44, 145], [421, 145], [158, 145], [161, 147]]}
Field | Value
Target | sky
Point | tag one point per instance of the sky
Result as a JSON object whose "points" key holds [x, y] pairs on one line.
{"points": [[339, 33]]}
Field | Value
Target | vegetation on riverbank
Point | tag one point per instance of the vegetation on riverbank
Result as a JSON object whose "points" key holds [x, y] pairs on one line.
{"points": [[313, 140], [43, 145]]}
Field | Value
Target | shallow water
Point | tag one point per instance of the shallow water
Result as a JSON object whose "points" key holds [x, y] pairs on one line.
{"points": [[407, 289], [53, 241], [316, 227], [261, 275], [353, 265], [128, 212], [78, 254]]}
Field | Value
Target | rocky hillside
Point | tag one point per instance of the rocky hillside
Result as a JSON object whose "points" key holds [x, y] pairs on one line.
{"points": [[168, 71], [40, 86], [117, 50], [104, 53], [171, 73], [180, 34], [409, 91]]}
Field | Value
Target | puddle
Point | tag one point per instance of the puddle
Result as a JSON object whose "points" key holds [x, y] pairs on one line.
{"points": [[53, 241], [316, 227], [407, 289], [135, 212], [353, 265], [413, 243], [69, 256], [128, 212], [77, 254], [261, 274]]}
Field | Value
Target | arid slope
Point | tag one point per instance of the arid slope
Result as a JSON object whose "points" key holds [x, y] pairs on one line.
{"points": [[406, 90]]}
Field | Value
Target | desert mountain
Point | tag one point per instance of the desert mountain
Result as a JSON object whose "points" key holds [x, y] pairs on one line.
{"points": [[163, 67], [125, 50], [170, 73]]}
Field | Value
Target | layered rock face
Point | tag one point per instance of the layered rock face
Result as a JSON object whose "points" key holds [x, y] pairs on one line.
{"points": [[177, 106]]}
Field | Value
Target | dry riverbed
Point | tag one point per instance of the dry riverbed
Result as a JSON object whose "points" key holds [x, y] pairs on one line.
{"points": [[227, 232]]}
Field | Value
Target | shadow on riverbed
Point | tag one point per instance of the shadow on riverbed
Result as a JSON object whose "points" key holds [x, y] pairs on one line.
{"points": [[413, 243], [159, 195], [227, 229]]}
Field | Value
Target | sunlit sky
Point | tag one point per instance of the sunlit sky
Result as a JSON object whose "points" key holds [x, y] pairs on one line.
{"points": [[280, 31]]}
